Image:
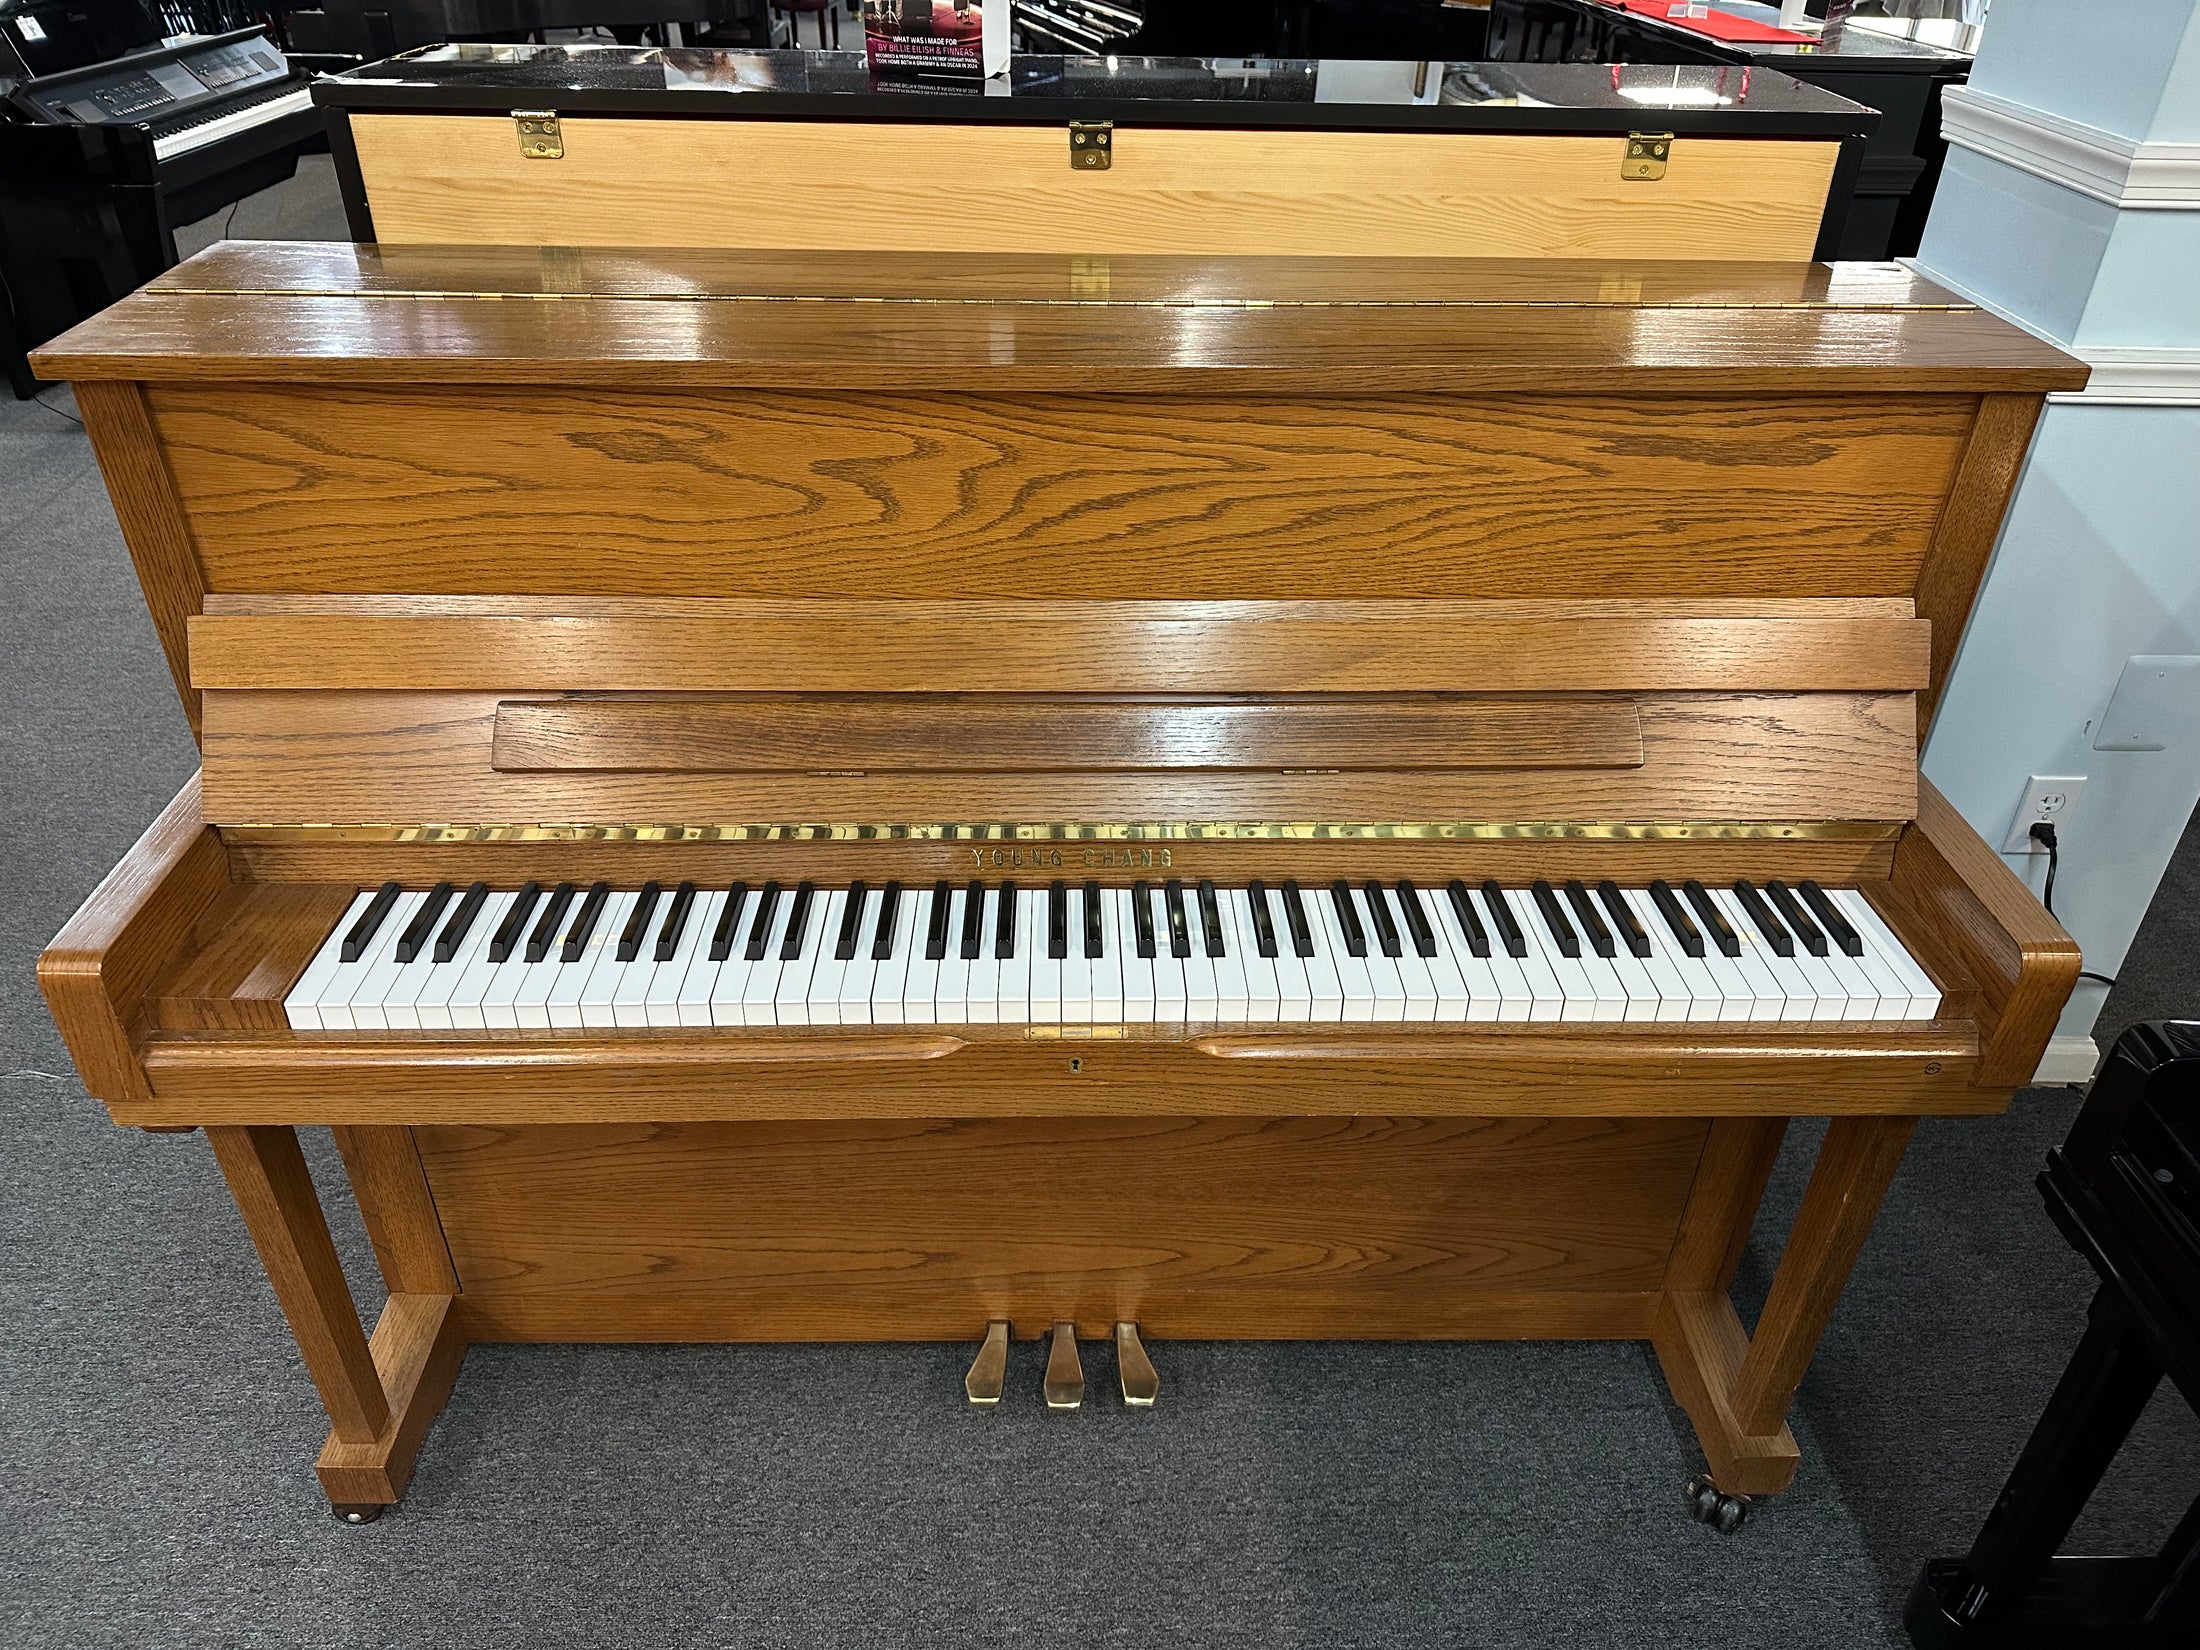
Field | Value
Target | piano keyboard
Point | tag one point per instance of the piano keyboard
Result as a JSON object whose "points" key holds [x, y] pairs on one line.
{"points": [[185, 139], [1068, 953]]}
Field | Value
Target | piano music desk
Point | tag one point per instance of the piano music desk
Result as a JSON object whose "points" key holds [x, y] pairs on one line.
{"points": [[1481, 570]]}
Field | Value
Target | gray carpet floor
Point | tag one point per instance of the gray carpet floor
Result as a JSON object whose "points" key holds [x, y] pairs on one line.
{"points": [[157, 1429]]}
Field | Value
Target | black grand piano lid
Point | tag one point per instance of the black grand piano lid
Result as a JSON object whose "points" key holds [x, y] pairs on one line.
{"points": [[1376, 95]]}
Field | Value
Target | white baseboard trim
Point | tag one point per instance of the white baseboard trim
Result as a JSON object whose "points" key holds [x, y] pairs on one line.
{"points": [[2067, 1060], [2122, 376], [2136, 175]]}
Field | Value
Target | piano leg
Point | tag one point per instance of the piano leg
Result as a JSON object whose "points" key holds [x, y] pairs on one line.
{"points": [[380, 1398], [1737, 1388]]}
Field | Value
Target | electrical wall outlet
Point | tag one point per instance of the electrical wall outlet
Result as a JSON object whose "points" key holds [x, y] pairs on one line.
{"points": [[2047, 800]]}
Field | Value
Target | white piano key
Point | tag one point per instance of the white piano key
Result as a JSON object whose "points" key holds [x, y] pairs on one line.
{"points": [[1355, 986], [1577, 997], [1679, 992], [1384, 977], [892, 970], [1078, 970], [436, 1004], [1012, 996], [852, 981], [1809, 988], [1046, 971], [362, 1010], [1137, 972], [984, 1000], [668, 985], [1324, 984], [1881, 944], [692, 996], [582, 996], [464, 1006], [1546, 993], [793, 997], [1263, 983], [1202, 990], [1643, 999], [1233, 989], [302, 1007], [1447, 994], [636, 980], [951, 991], [1774, 996], [1481, 996], [1294, 986], [920, 982], [760, 979]]}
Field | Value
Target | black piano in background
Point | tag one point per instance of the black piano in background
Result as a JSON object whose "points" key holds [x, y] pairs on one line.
{"points": [[110, 138]]}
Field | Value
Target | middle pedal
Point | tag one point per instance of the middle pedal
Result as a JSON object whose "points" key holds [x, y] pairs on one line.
{"points": [[1065, 1386]]}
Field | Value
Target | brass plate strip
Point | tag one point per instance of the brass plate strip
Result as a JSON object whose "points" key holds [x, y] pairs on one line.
{"points": [[1834, 830], [425, 296]]}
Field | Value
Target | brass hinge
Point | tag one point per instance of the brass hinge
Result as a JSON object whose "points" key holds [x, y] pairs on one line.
{"points": [[1646, 155], [540, 137], [1091, 145]]}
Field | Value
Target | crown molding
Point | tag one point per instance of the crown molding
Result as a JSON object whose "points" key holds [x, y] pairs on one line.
{"points": [[2123, 376], [2134, 176]]}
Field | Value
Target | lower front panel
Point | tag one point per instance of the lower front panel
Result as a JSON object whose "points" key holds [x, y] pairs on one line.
{"points": [[1196, 1228]]}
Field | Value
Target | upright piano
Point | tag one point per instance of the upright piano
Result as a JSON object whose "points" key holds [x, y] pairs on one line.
{"points": [[110, 139], [779, 796]]}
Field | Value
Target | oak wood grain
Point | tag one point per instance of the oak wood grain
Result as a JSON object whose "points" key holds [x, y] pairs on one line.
{"points": [[997, 188], [1272, 648], [1701, 1346], [1189, 1226], [1957, 899], [245, 952], [419, 1343], [1855, 1165], [1970, 522], [130, 931], [603, 490], [155, 522], [267, 1176], [369, 757], [399, 1211], [976, 1071], [1738, 1157]]}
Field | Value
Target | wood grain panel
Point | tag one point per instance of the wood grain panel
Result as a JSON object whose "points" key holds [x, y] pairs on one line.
{"points": [[153, 519], [1029, 734], [1190, 1226], [607, 644], [997, 188], [245, 953], [418, 1346], [399, 1213], [1970, 523], [369, 757], [1701, 1344], [590, 491]]}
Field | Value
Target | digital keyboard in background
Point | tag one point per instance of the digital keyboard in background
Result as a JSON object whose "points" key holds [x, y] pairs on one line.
{"points": [[1064, 953]]}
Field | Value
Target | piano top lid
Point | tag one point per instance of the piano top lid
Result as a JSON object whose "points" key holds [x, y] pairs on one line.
{"points": [[1244, 92], [329, 312]]}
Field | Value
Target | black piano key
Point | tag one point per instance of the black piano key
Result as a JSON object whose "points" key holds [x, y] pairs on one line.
{"points": [[1669, 907], [973, 929], [414, 939], [1142, 916], [1501, 913], [461, 923], [363, 931], [1624, 918], [1386, 926], [882, 937], [1590, 918], [675, 924], [1264, 926], [1348, 920], [637, 922], [760, 927], [1569, 942], [546, 929], [798, 921], [1774, 931], [729, 922], [1004, 923], [1470, 921], [1417, 923], [515, 921], [1057, 920], [1294, 918], [851, 924], [1830, 918], [576, 937], [1180, 931], [1095, 932], [935, 920], [1798, 920], [1713, 919], [1210, 919]]}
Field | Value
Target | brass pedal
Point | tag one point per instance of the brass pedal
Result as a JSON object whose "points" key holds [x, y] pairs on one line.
{"points": [[1065, 1375], [989, 1369], [1141, 1384]]}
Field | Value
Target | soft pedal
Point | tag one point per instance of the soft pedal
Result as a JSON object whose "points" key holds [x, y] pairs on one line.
{"points": [[1141, 1382], [989, 1369], [1065, 1386]]}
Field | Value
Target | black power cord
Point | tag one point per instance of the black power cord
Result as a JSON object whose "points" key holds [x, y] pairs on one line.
{"points": [[2044, 834]]}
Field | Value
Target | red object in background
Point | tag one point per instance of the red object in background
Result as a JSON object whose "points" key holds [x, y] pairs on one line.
{"points": [[1718, 25]]}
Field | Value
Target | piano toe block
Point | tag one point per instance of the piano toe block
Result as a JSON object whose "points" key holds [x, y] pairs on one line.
{"points": [[418, 1345]]}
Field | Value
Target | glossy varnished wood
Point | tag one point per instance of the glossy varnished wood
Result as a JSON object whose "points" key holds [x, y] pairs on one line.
{"points": [[1193, 1227], [418, 1345], [997, 188]]}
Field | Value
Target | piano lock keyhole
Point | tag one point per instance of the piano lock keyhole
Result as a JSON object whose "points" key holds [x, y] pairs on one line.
{"points": [[1076, 1066]]}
